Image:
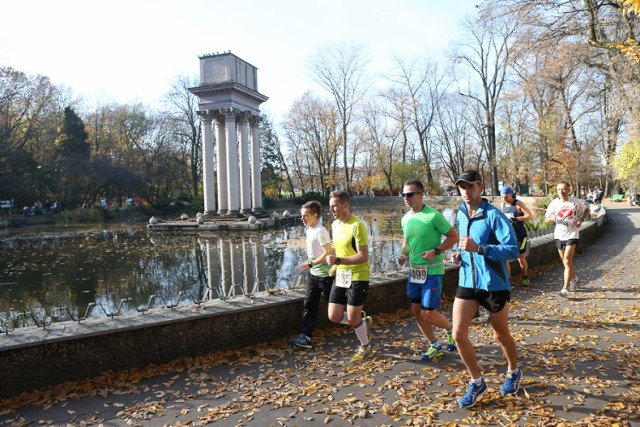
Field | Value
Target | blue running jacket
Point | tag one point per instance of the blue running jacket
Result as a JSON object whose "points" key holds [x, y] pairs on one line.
{"points": [[492, 229]]}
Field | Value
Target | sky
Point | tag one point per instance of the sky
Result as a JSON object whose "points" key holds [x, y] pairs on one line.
{"points": [[129, 51]]}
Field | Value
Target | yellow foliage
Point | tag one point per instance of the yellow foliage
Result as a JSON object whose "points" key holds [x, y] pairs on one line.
{"points": [[631, 6], [630, 47]]}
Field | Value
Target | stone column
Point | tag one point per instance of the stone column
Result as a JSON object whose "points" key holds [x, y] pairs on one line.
{"points": [[233, 179], [245, 186], [221, 159], [256, 181], [208, 170]]}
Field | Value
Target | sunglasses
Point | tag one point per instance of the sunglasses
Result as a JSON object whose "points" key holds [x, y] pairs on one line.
{"points": [[410, 194]]}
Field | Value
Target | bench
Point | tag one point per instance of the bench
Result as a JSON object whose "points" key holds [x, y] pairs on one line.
{"points": [[617, 197]]}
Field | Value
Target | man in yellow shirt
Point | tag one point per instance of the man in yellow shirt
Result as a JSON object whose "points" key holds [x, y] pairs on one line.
{"points": [[351, 285]]}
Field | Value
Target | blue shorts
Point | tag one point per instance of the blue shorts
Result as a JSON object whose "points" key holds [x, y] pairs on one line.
{"points": [[426, 294]]}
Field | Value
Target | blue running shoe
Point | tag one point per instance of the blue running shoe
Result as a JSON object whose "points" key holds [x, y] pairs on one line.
{"points": [[451, 343], [512, 383], [473, 393], [302, 341]]}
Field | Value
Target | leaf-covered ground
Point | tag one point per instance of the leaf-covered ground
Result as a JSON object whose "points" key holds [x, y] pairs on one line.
{"points": [[580, 358]]}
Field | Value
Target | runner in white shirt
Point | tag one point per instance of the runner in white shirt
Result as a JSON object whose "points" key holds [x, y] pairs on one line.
{"points": [[568, 213]]}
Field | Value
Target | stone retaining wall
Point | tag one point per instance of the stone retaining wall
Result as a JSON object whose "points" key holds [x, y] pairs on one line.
{"points": [[34, 358]]}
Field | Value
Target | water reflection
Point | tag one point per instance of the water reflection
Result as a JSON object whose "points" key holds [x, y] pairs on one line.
{"points": [[74, 270]]}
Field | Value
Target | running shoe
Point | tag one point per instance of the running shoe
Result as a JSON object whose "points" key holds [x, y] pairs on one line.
{"points": [[368, 322], [302, 341], [563, 293], [432, 354], [525, 283], [512, 383], [363, 352], [573, 284], [451, 343], [473, 393]]}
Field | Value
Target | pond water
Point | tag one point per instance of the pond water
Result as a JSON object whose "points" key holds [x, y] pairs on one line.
{"points": [[99, 271]]}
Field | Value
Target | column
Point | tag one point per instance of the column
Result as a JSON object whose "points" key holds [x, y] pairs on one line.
{"points": [[256, 181], [233, 179], [221, 159], [245, 190], [208, 171]]}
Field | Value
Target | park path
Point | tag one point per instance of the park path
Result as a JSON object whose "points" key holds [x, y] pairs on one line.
{"points": [[580, 357]]}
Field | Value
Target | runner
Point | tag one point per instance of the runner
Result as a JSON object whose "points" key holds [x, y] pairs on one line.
{"points": [[351, 286], [518, 213], [423, 228], [319, 281], [486, 242], [568, 213]]}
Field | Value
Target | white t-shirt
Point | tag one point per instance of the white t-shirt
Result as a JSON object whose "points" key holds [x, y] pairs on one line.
{"points": [[317, 238], [566, 213]]}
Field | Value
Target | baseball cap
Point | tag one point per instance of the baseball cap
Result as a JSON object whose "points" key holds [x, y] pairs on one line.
{"points": [[469, 176], [506, 190]]}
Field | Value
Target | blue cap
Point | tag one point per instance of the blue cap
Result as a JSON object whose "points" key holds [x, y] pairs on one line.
{"points": [[506, 190]]}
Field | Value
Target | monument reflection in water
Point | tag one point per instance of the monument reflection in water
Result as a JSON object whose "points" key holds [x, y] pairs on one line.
{"points": [[74, 270]]}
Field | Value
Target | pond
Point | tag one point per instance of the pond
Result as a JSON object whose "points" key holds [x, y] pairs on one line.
{"points": [[124, 268]]}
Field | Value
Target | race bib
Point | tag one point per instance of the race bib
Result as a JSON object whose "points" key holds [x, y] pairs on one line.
{"points": [[418, 274], [343, 278]]}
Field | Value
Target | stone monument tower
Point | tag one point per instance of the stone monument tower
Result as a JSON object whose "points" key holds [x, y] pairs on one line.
{"points": [[229, 103]]}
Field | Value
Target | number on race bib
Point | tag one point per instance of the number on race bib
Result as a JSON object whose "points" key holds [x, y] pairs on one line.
{"points": [[418, 275], [343, 278]]}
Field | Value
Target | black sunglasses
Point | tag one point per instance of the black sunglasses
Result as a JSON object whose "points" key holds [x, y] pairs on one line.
{"points": [[410, 194]]}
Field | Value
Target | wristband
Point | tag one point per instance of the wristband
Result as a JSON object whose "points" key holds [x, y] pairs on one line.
{"points": [[437, 251], [310, 263], [337, 261]]}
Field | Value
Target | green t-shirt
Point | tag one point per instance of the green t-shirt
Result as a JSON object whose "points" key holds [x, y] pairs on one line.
{"points": [[346, 238], [423, 231]]}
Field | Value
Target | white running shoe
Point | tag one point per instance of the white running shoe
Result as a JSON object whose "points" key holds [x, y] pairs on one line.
{"points": [[573, 284]]}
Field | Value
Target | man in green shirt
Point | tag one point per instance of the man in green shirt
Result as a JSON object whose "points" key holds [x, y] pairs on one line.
{"points": [[423, 228]]}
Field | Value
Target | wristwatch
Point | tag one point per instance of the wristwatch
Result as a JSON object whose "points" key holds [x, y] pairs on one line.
{"points": [[437, 251], [480, 249], [337, 261], [310, 263]]}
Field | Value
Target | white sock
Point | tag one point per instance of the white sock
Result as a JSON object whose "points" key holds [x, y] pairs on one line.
{"points": [[477, 381], [361, 332], [345, 318]]}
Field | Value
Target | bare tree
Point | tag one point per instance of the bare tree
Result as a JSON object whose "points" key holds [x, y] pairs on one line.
{"points": [[453, 136], [312, 126], [340, 70], [418, 88], [383, 135], [487, 52], [185, 125]]}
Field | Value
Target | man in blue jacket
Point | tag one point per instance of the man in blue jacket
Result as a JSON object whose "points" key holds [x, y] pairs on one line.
{"points": [[487, 241]]}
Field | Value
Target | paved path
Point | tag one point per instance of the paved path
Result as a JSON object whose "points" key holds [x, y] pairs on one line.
{"points": [[580, 357]]}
